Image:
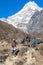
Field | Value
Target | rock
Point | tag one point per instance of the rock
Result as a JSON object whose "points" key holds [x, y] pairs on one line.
{"points": [[3, 57], [19, 40]]}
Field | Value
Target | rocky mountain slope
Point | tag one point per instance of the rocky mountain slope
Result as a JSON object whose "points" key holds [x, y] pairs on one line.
{"points": [[8, 32], [35, 24]]}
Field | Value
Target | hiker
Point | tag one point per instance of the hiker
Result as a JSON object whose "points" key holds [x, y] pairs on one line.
{"points": [[34, 42], [13, 44], [15, 50], [27, 39]]}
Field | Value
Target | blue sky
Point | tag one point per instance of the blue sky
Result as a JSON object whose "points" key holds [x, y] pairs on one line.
{"points": [[10, 7]]}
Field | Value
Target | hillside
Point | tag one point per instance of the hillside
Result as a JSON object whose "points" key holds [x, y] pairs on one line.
{"points": [[8, 32], [26, 56]]}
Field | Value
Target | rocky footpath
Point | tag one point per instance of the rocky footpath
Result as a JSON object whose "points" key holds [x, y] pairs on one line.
{"points": [[26, 56]]}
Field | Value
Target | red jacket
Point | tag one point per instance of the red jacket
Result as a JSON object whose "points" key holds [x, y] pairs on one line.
{"points": [[13, 44]]}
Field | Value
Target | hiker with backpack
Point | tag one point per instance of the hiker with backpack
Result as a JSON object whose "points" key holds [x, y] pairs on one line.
{"points": [[27, 38], [27, 41], [15, 50], [13, 44], [34, 42]]}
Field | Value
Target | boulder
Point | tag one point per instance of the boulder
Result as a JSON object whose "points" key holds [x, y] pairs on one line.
{"points": [[3, 57], [19, 40]]}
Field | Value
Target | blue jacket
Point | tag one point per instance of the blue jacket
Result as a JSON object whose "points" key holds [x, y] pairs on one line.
{"points": [[34, 41]]}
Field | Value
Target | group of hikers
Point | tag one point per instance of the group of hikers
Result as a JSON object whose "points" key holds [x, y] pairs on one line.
{"points": [[34, 41]]}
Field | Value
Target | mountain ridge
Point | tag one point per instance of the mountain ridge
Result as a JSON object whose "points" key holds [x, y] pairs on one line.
{"points": [[23, 17]]}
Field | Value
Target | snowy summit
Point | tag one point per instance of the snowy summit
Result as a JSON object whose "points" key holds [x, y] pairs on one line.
{"points": [[22, 19]]}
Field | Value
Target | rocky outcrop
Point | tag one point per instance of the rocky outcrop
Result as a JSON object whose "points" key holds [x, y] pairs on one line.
{"points": [[35, 24]]}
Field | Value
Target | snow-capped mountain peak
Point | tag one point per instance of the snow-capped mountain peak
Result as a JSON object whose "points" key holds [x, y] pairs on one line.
{"points": [[32, 5], [23, 17]]}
